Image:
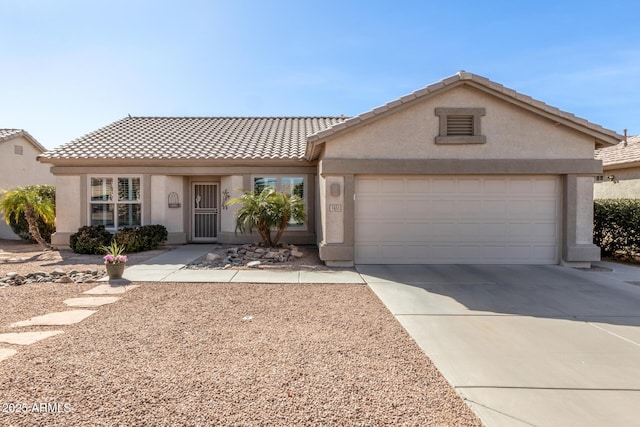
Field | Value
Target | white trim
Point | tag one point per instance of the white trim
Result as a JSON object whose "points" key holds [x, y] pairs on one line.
{"points": [[115, 203]]}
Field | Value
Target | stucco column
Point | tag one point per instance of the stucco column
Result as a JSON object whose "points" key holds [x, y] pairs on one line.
{"points": [[578, 244], [336, 212]]}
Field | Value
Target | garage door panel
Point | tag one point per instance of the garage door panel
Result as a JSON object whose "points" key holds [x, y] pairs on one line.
{"points": [[494, 185], [479, 219], [443, 186], [392, 186], [545, 232], [469, 185]]}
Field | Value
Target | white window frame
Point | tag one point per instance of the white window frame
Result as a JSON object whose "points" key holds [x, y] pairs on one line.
{"points": [[115, 203], [305, 194]]}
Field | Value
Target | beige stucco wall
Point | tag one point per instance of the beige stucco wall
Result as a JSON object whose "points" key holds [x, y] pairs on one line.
{"points": [[626, 184], [171, 217], [333, 208], [233, 185], [511, 132], [18, 170], [68, 213]]}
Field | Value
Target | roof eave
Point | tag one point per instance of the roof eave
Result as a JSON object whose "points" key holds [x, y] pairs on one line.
{"points": [[27, 136], [602, 137]]}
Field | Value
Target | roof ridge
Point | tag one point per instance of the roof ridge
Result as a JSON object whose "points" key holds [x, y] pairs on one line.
{"points": [[235, 117], [460, 78]]}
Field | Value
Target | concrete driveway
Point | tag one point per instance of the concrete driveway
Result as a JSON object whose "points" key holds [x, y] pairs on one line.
{"points": [[526, 345]]}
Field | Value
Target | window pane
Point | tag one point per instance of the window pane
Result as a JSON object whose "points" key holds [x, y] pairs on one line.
{"points": [[293, 186], [102, 214], [261, 183], [129, 215], [101, 189], [129, 189]]}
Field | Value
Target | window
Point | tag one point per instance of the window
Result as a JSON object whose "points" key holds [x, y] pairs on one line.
{"points": [[284, 184], [115, 202], [460, 126]]}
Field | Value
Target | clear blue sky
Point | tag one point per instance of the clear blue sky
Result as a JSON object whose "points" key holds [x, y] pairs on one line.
{"points": [[68, 67]]}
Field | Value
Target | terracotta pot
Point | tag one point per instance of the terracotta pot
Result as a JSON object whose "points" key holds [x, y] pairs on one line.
{"points": [[115, 271]]}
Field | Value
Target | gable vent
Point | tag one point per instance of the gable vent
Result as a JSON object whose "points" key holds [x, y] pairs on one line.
{"points": [[459, 125]]}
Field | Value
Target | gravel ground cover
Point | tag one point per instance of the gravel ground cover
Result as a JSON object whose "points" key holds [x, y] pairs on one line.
{"points": [[214, 354], [226, 354]]}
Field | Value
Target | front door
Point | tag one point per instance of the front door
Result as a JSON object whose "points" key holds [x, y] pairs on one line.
{"points": [[204, 208]]}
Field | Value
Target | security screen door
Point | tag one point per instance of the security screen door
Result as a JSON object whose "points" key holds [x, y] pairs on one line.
{"points": [[204, 227]]}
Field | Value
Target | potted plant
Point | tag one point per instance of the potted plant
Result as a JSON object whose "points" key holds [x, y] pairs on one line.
{"points": [[114, 260]]}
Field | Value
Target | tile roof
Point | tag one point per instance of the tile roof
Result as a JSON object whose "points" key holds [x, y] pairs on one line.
{"points": [[191, 138], [7, 134], [604, 137], [620, 154]]}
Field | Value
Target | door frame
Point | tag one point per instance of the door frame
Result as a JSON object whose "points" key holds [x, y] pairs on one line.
{"points": [[216, 213]]}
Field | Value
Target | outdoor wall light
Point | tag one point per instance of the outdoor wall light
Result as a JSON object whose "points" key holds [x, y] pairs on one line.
{"points": [[334, 189], [613, 179]]}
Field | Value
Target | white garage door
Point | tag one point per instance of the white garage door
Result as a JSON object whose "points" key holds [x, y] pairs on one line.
{"points": [[457, 219]]}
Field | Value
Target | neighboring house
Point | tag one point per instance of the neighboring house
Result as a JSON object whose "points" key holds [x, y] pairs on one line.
{"points": [[621, 175], [462, 171], [19, 167]]}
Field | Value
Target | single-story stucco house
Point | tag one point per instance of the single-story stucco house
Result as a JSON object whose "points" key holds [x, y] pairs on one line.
{"points": [[620, 178], [462, 171], [19, 167]]}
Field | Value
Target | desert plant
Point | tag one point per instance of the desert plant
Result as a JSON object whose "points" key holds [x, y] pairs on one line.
{"points": [[265, 211], [114, 253], [20, 226], [32, 203]]}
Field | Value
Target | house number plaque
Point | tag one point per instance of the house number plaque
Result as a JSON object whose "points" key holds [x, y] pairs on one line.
{"points": [[335, 207]]}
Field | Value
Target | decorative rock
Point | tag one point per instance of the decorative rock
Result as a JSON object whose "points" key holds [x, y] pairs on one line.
{"points": [[12, 274], [253, 264], [213, 257], [296, 253], [58, 272], [56, 276]]}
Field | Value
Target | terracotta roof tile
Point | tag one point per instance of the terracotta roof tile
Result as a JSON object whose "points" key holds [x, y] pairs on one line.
{"points": [[197, 138], [620, 154]]}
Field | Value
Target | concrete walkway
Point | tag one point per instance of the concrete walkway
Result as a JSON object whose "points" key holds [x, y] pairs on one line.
{"points": [[526, 345], [167, 267]]}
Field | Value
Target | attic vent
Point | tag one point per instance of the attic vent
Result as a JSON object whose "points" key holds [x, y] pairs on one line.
{"points": [[459, 125], [17, 149]]}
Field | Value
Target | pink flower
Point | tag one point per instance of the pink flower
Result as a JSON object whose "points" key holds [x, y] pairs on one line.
{"points": [[110, 259]]}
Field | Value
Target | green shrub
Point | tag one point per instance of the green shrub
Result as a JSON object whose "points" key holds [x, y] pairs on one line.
{"points": [[20, 226], [90, 239], [143, 238], [616, 227]]}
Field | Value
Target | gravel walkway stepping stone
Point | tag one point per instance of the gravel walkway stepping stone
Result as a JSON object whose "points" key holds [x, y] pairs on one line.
{"points": [[90, 301], [27, 338], [55, 319], [108, 289], [6, 353]]}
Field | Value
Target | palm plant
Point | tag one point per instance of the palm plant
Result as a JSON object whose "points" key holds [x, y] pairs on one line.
{"points": [[265, 211], [30, 202]]}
